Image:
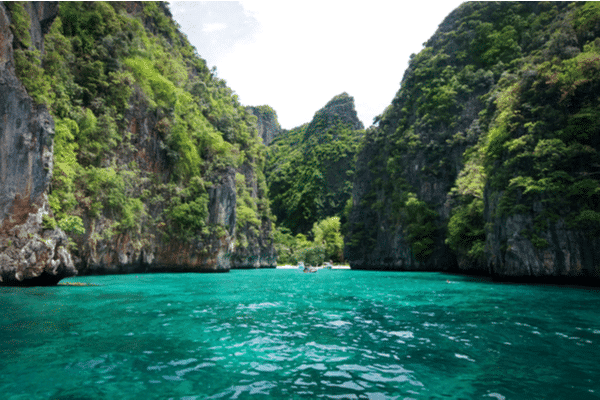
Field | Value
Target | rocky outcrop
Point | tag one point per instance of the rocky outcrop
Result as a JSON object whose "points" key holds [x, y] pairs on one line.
{"points": [[42, 15], [455, 177], [266, 123], [561, 253], [221, 243], [150, 251], [309, 168], [423, 161], [338, 111], [31, 252], [254, 246], [103, 251], [203, 235]]}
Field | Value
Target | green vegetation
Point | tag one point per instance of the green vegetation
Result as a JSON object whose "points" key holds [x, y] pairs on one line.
{"points": [[189, 210], [27, 57], [309, 168], [267, 113], [327, 244], [419, 222], [497, 116], [309, 173], [327, 234], [544, 148], [48, 223], [466, 233], [143, 128], [500, 104]]}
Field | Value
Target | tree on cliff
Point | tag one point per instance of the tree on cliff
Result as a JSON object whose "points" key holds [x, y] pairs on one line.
{"points": [[493, 135], [309, 168], [146, 136]]}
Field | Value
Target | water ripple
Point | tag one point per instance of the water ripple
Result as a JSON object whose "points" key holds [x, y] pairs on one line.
{"points": [[279, 334]]}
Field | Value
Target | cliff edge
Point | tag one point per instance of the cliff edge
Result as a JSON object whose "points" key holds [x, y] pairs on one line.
{"points": [[121, 151], [31, 252], [487, 161]]}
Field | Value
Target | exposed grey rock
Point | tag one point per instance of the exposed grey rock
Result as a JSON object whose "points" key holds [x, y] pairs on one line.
{"points": [[42, 15], [340, 109], [427, 158], [29, 254], [32, 255], [26, 162], [569, 253], [266, 123]]}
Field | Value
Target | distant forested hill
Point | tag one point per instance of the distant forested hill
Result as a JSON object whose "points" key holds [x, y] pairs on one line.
{"points": [[309, 171], [309, 168], [487, 159]]}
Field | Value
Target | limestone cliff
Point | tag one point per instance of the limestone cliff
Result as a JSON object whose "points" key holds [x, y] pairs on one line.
{"points": [[225, 238], [266, 122], [487, 159], [339, 110], [31, 253], [156, 165], [566, 253], [254, 246]]}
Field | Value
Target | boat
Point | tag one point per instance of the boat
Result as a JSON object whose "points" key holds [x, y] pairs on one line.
{"points": [[305, 268]]}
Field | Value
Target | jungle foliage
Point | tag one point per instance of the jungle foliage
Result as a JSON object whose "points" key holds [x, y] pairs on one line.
{"points": [[328, 244], [309, 168], [502, 100], [501, 103], [105, 66]]}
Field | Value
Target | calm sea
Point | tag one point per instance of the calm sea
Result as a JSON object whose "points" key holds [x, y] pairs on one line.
{"points": [[282, 334]]}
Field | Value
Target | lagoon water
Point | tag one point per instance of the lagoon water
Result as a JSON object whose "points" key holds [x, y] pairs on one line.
{"points": [[337, 334]]}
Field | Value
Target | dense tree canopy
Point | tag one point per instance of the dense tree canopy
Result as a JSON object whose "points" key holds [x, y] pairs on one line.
{"points": [[309, 168], [500, 104], [106, 66]]}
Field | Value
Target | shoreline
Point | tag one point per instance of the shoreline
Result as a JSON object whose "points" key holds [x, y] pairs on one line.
{"points": [[296, 267]]}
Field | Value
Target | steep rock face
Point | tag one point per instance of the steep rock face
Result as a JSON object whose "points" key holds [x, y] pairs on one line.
{"points": [[409, 164], [267, 124], [569, 253], [222, 239], [227, 243], [254, 246], [338, 111], [42, 15], [542, 195], [148, 249], [31, 253], [487, 159], [149, 146], [369, 244]]}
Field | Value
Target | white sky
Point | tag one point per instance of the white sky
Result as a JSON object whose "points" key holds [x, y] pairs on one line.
{"points": [[295, 56]]}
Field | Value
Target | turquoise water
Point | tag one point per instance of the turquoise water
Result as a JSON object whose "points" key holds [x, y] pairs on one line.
{"points": [[337, 334]]}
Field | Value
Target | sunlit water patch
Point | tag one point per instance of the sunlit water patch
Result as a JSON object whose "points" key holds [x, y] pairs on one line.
{"points": [[337, 334]]}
